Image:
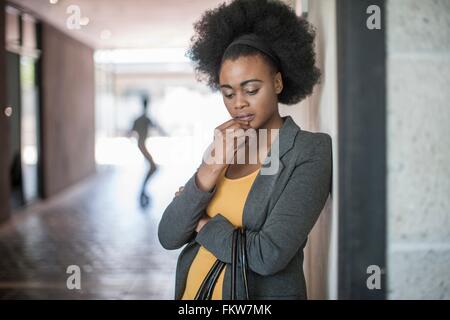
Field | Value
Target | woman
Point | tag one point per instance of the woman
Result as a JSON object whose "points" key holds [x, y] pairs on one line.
{"points": [[257, 53]]}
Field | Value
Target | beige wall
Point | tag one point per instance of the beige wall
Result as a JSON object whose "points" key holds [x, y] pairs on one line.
{"points": [[319, 113], [418, 112], [68, 110]]}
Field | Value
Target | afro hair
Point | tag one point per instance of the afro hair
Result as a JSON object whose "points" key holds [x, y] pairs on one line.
{"points": [[290, 37]]}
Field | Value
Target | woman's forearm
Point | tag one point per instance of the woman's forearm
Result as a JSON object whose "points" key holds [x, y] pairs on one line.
{"points": [[207, 175], [181, 217]]}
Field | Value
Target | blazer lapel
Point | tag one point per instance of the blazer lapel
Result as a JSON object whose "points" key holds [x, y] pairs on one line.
{"points": [[263, 188]]}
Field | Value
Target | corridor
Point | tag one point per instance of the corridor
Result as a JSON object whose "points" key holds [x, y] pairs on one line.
{"points": [[99, 226]]}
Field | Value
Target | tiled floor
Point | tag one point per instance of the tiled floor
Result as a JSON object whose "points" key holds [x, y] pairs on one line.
{"points": [[98, 226]]}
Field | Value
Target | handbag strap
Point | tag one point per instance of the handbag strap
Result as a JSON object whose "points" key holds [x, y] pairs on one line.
{"points": [[243, 256], [234, 263], [209, 282], [215, 276], [238, 252]]}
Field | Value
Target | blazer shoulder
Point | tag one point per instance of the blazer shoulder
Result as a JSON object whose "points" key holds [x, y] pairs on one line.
{"points": [[312, 144], [310, 139]]}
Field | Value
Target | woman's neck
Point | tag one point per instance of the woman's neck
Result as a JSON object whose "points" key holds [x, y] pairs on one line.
{"points": [[275, 122]]}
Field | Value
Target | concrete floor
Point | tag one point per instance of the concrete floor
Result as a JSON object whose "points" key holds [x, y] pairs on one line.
{"points": [[98, 226]]}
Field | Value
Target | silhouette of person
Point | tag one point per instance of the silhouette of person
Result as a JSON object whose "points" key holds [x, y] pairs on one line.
{"points": [[141, 126]]}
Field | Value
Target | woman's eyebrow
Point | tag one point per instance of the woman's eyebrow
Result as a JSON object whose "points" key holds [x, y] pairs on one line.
{"points": [[243, 83]]}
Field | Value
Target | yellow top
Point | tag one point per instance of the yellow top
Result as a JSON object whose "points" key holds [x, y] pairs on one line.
{"points": [[229, 201]]}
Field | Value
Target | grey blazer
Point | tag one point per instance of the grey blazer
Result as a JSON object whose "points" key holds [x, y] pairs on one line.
{"points": [[279, 213]]}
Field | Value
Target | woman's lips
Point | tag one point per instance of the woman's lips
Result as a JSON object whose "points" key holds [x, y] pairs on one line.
{"points": [[247, 117]]}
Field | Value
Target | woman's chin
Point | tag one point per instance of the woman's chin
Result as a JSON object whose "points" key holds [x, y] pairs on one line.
{"points": [[254, 124]]}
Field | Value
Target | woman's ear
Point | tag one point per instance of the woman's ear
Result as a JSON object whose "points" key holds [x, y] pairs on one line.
{"points": [[278, 83]]}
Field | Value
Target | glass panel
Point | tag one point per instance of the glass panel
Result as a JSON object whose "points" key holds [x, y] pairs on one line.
{"points": [[30, 129]]}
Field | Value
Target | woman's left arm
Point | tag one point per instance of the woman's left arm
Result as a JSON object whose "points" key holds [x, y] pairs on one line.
{"points": [[270, 249]]}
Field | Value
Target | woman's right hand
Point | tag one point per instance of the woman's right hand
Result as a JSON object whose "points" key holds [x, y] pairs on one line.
{"points": [[212, 165], [230, 145], [179, 191]]}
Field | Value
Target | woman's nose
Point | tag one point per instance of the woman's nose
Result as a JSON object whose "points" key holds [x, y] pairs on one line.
{"points": [[240, 101]]}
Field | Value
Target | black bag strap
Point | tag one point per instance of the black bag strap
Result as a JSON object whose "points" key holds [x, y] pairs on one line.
{"points": [[243, 256], [234, 263], [206, 288], [214, 277], [238, 253]]}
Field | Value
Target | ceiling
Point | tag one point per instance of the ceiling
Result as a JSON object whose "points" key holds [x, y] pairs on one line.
{"points": [[123, 24]]}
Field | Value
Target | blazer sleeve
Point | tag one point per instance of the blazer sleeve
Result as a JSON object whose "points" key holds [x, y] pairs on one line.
{"points": [[286, 228], [180, 218]]}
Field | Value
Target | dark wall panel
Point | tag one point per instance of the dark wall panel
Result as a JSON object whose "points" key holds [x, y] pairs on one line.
{"points": [[4, 125], [68, 98], [362, 149]]}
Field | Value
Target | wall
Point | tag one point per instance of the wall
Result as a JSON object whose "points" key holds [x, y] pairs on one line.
{"points": [[418, 64], [319, 113], [68, 111], [4, 125]]}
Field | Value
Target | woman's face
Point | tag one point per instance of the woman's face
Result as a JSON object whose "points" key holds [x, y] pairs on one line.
{"points": [[249, 89]]}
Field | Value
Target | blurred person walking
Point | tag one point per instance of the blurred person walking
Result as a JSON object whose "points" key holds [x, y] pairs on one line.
{"points": [[141, 126]]}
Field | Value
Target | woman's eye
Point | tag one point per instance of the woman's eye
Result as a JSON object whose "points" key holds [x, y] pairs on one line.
{"points": [[229, 96], [252, 92]]}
